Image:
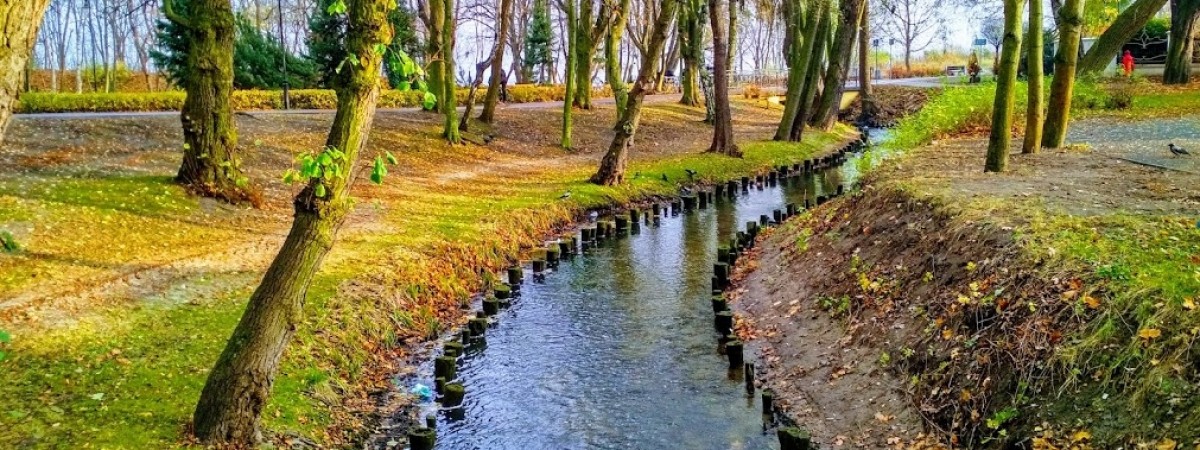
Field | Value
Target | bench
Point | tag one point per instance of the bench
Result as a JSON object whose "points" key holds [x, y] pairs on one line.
{"points": [[954, 71]]}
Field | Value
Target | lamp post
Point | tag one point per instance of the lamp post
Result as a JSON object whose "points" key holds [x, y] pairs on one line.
{"points": [[875, 44], [287, 100]]}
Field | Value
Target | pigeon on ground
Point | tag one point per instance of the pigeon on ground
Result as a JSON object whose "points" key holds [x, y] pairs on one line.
{"points": [[691, 174], [565, 195], [1177, 151], [664, 177], [685, 191]]}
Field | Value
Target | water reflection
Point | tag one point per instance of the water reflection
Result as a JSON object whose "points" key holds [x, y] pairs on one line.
{"points": [[616, 348]]}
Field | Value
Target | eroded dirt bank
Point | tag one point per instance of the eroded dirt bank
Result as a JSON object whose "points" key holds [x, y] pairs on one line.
{"points": [[882, 312], [1024, 310]]}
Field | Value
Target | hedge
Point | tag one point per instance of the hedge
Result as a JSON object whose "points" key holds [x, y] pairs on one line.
{"points": [[42, 102]]}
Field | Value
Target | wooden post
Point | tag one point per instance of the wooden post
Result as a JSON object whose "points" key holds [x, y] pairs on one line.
{"points": [[477, 326], [792, 438], [748, 370], [731, 188], [454, 394], [768, 401], [431, 421], [841, 189], [723, 254], [445, 366], [721, 273], [733, 350], [453, 348], [703, 197], [491, 306], [421, 438], [763, 220], [439, 384], [724, 322], [719, 304], [539, 265], [515, 275], [503, 291], [791, 209], [778, 215]]}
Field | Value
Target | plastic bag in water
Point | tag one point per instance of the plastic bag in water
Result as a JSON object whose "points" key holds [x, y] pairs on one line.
{"points": [[422, 391]]}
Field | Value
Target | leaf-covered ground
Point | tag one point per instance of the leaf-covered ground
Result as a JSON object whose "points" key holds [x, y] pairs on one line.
{"points": [[126, 288]]}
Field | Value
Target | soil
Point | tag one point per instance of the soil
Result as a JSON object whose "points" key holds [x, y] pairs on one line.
{"points": [[891, 104], [888, 314]]}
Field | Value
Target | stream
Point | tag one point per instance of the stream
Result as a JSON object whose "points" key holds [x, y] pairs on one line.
{"points": [[615, 347]]}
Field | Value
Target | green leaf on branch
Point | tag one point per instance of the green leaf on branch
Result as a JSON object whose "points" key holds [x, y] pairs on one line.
{"points": [[391, 159], [380, 49], [378, 171], [319, 190], [338, 7], [429, 102]]}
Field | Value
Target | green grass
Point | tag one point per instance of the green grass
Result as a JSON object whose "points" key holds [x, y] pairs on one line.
{"points": [[149, 361]]}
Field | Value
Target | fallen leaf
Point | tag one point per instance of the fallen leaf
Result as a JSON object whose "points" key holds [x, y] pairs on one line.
{"points": [[1189, 303], [883, 418], [1081, 435], [1149, 333], [1091, 302]]}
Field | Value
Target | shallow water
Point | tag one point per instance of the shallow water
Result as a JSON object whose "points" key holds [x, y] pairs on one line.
{"points": [[615, 348]]}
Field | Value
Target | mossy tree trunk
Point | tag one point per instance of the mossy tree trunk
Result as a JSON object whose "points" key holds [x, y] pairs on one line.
{"points": [[1006, 80], [569, 9], [691, 48], [590, 28], [801, 50], [813, 77], [1180, 45], [866, 99], [723, 117], [1128, 23], [211, 166], [612, 167], [839, 64], [449, 102], [434, 46], [1035, 110], [240, 383], [1058, 108], [493, 93], [612, 63], [16, 47]]}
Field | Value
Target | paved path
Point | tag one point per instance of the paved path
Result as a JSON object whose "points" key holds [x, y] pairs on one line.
{"points": [[1143, 141]]}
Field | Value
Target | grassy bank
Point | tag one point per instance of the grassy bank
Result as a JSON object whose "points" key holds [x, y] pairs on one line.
{"points": [[1118, 239], [127, 373]]}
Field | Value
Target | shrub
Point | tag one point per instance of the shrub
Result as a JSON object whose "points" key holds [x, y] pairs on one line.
{"points": [[752, 91], [45, 102]]}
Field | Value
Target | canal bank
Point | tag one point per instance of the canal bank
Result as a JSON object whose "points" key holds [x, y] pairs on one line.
{"points": [[607, 339], [1048, 307]]}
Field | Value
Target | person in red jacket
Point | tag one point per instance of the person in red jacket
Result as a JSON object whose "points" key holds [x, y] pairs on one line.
{"points": [[1127, 63]]}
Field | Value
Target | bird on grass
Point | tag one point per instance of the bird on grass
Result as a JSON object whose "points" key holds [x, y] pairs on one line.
{"points": [[664, 177], [1177, 151], [691, 174], [565, 195], [685, 191]]}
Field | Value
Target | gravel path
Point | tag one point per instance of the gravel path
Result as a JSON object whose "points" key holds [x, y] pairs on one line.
{"points": [[1143, 141]]}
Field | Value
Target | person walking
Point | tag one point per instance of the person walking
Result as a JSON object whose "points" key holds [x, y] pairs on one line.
{"points": [[1127, 63]]}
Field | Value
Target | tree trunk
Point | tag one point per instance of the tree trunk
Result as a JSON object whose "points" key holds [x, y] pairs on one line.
{"points": [[1006, 80], [572, 53], [211, 165], [866, 99], [240, 383], [587, 40], [734, 8], [1035, 112], [691, 48], [799, 59], [813, 80], [1124, 27], [16, 47], [612, 64], [434, 49], [493, 93], [464, 122], [1058, 108], [839, 65], [449, 85], [612, 167], [723, 118], [1180, 46]]}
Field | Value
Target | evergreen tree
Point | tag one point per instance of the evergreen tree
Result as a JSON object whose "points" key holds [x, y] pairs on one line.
{"points": [[539, 38], [326, 34], [257, 57]]}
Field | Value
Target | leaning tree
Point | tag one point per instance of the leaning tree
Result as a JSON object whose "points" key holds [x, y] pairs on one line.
{"points": [[16, 44], [1184, 14], [612, 167], [1006, 80], [1058, 107], [238, 387]]}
